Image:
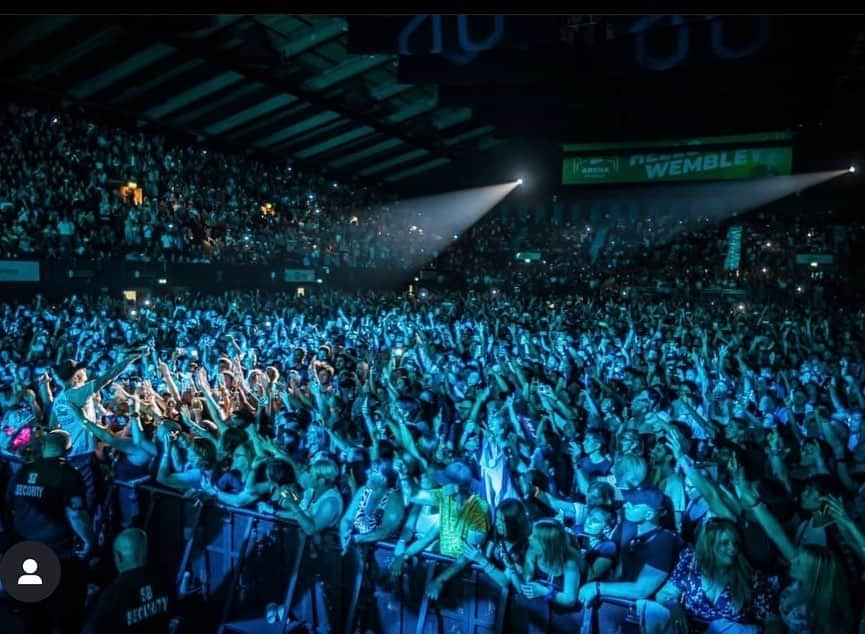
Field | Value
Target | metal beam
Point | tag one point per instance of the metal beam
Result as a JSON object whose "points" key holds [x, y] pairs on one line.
{"points": [[269, 123], [447, 119], [307, 124], [489, 142], [312, 38], [378, 148], [194, 93], [387, 91], [396, 160], [211, 55], [137, 90], [313, 136], [253, 112], [118, 71], [413, 110], [465, 136], [40, 29], [221, 105], [353, 66], [417, 169], [341, 139], [97, 40]]}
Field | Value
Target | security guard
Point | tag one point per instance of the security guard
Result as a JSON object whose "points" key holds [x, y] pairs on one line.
{"points": [[137, 601], [48, 505]]}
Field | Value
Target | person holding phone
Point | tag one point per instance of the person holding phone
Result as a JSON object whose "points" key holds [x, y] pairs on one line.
{"points": [[817, 599]]}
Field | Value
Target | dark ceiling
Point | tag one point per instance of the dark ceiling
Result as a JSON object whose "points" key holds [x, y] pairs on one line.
{"points": [[418, 103]]}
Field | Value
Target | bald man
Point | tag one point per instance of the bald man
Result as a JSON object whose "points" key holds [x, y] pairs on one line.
{"points": [[137, 601]]}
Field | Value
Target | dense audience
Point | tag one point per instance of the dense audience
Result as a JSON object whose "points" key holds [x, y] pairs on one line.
{"points": [[703, 461], [684, 463], [604, 249], [66, 195]]}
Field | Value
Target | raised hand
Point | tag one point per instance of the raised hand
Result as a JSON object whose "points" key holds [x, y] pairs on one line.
{"points": [[744, 489], [674, 442], [201, 375], [119, 393], [835, 509]]}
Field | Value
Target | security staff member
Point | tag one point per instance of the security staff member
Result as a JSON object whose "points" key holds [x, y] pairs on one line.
{"points": [[137, 601], [47, 501]]}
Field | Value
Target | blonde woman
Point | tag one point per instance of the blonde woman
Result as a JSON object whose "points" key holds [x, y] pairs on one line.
{"points": [[818, 599], [321, 507], [552, 568]]}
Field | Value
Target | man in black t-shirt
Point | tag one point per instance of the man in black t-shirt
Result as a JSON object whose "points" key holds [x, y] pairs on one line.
{"points": [[47, 498], [137, 601], [648, 554]]}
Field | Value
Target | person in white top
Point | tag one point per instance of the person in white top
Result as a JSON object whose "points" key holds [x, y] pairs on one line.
{"points": [[75, 401]]}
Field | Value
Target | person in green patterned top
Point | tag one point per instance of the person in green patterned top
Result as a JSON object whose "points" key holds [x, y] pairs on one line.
{"points": [[464, 518]]}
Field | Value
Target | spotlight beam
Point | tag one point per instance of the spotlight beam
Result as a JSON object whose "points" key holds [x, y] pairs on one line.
{"points": [[715, 202], [426, 226]]}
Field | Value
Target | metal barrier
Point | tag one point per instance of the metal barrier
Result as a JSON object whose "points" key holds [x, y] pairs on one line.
{"points": [[229, 563], [240, 561]]}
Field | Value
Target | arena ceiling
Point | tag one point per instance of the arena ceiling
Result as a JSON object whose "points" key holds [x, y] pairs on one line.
{"points": [[408, 101]]}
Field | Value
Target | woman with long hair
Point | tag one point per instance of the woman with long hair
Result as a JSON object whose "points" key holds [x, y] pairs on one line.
{"points": [[715, 585], [818, 599], [552, 567], [509, 545]]}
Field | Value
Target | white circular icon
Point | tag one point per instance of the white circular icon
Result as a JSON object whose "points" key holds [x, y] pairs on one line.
{"points": [[29, 578]]}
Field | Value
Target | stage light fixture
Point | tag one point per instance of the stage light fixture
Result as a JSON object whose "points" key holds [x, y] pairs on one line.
{"points": [[852, 169]]}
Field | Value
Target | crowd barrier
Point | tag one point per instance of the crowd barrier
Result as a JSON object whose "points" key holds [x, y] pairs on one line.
{"points": [[229, 563], [231, 566]]}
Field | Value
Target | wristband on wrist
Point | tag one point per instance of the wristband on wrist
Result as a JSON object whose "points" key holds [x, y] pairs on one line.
{"points": [[551, 593]]}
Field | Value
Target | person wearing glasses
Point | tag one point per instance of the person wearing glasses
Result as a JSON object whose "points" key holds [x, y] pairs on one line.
{"points": [[645, 561]]}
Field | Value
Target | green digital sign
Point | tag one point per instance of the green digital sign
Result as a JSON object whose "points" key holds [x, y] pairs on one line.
{"points": [[738, 157], [679, 166]]}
